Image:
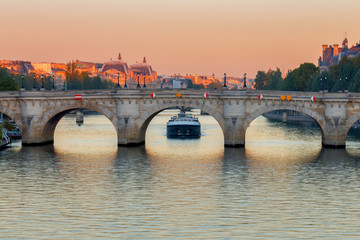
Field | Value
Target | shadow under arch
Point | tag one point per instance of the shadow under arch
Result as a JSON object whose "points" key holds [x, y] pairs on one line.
{"points": [[51, 120], [13, 116], [314, 115], [153, 112], [350, 122]]}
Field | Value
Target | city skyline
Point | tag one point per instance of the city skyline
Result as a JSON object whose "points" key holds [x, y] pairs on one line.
{"points": [[202, 37]]}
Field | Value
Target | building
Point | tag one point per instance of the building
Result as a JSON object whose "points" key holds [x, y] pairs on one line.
{"points": [[17, 67], [92, 69], [118, 65], [118, 71], [332, 55], [143, 69]]}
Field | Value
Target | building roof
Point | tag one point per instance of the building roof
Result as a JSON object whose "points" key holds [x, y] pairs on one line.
{"points": [[119, 65], [355, 50], [142, 68]]}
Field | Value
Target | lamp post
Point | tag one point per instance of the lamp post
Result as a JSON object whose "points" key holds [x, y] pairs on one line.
{"points": [[34, 87], [346, 85], [144, 82], [125, 86], [53, 78], [341, 88], [42, 82], [244, 80], [118, 85], [224, 80], [138, 85], [321, 84], [22, 82], [325, 83]]}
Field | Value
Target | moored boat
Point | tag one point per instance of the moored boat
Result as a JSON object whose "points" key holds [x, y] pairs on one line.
{"points": [[14, 134], [4, 139], [183, 126]]}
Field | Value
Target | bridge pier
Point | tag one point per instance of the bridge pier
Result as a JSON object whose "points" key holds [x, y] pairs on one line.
{"points": [[334, 139], [129, 132], [35, 137], [234, 133]]}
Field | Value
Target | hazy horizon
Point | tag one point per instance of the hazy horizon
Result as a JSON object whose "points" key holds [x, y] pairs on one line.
{"points": [[186, 37]]}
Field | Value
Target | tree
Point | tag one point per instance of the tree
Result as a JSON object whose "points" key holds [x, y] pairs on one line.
{"points": [[190, 84], [288, 83], [302, 75], [72, 74], [261, 80], [275, 80], [214, 85], [355, 84], [7, 82]]}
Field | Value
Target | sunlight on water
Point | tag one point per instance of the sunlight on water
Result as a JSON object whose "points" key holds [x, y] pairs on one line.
{"points": [[282, 143], [282, 185]]}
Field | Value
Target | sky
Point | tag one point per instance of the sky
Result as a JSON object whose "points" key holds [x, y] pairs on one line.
{"points": [[178, 36]]}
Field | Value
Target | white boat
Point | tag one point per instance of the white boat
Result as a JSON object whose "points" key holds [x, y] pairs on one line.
{"points": [[183, 126]]}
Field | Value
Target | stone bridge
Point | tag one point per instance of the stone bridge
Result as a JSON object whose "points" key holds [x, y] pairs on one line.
{"points": [[130, 111]]}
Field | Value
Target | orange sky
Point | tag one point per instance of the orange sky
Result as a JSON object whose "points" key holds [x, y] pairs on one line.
{"points": [[177, 36]]}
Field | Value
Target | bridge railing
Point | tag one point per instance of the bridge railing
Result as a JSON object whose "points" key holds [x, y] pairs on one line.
{"points": [[185, 93]]}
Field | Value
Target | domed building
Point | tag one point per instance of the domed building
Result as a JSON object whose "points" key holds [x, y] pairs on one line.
{"points": [[118, 72], [142, 69], [118, 65]]}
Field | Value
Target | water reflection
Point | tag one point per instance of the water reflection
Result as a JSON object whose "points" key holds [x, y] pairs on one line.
{"points": [[281, 185], [281, 144]]}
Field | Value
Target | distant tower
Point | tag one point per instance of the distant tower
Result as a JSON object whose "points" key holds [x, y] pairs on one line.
{"points": [[345, 42], [324, 47], [336, 49], [283, 73], [144, 61], [119, 57]]}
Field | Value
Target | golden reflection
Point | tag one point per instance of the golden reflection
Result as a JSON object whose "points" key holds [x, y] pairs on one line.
{"points": [[92, 146], [282, 155], [271, 143], [191, 166]]}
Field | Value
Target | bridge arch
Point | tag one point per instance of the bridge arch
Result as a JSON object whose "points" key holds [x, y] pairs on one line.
{"points": [[14, 117], [314, 115], [152, 111], [52, 118], [351, 121]]}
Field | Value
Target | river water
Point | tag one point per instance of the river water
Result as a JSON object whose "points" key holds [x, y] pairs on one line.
{"points": [[282, 185]]}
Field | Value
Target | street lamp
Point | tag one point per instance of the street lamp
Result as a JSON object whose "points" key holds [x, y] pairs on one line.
{"points": [[125, 86], [224, 80], [321, 84], [34, 87], [138, 85], [144, 82], [341, 89], [346, 85], [53, 86], [325, 83], [42, 81], [22, 81], [244, 80], [118, 85]]}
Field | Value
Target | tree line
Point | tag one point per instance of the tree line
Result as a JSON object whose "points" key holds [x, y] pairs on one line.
{"points": [[74, 80], [307, 77], [7, 82]]}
